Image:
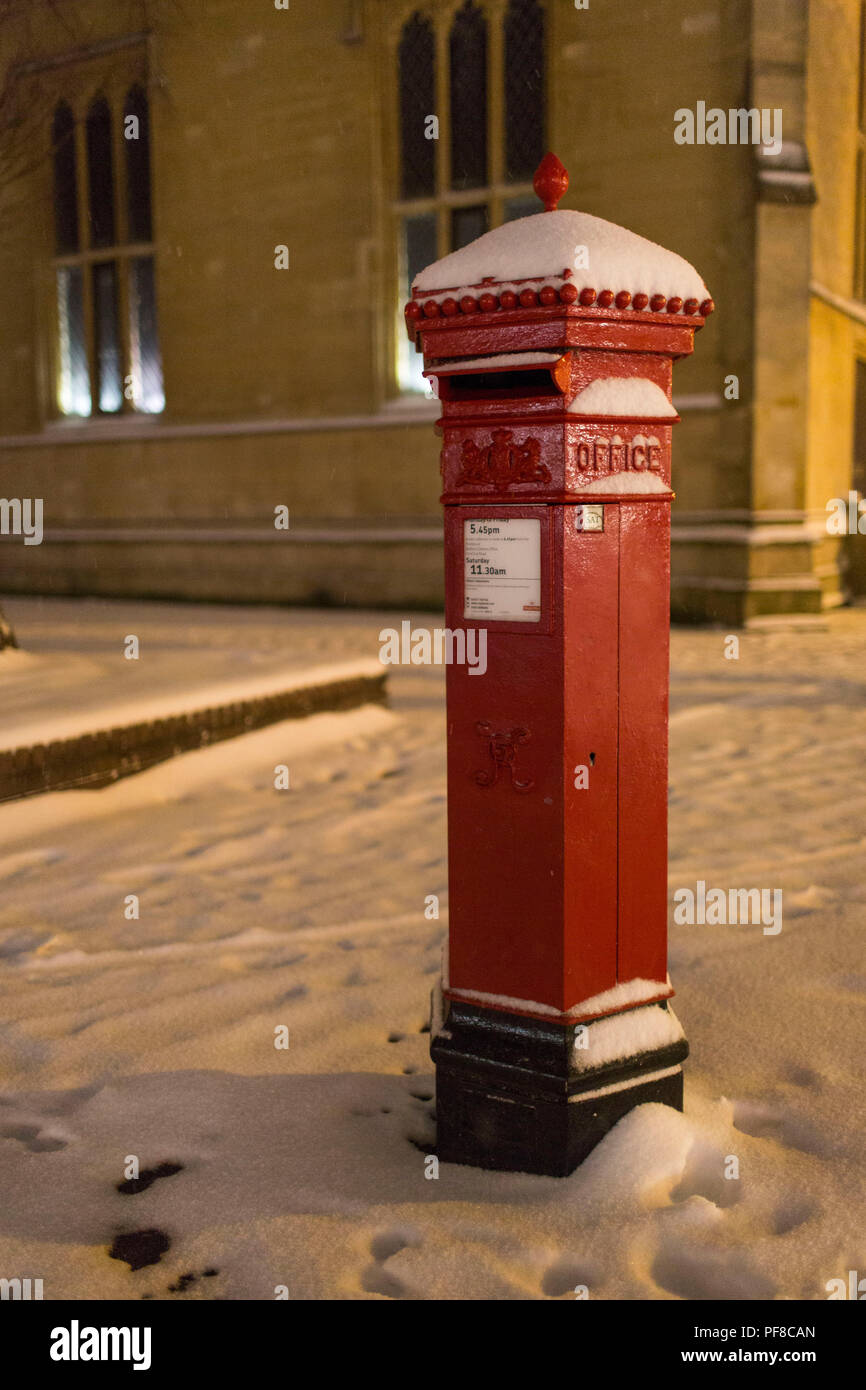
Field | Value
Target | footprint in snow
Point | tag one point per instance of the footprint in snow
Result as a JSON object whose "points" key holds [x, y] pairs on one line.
{"points": [[184, 1280], [701, 1273], [21, 942], [772, 1122], [704, 1176], [566, 1275], [140, 1248], [35, 1139], [147, 1177], [376, 1278], [791, 1214], [799, 1075]]}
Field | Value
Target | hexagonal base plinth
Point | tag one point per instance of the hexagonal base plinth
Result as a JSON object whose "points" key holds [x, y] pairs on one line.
{"points": [[509, 1096]]}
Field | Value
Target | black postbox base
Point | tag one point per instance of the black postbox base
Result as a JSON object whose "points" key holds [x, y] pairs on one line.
{"points": [[509, 1095]]}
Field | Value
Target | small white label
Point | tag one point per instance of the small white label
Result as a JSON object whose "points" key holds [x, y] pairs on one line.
{"points": [[589, 517], [502, 569]]}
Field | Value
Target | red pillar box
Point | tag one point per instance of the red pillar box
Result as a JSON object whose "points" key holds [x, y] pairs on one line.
{"points": [[551, 340]]}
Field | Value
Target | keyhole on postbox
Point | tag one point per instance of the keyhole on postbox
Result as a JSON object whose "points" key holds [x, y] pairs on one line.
{"points": [[592, 760]]}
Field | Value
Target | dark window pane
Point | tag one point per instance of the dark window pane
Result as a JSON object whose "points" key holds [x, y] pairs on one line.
{"points": [[467, 224], [418, 251], [136, 140], [100, 174], [417, 100], [65, 190], [526, 206], [73, 384], [420, 246], [524, 89], [109, 385], [468, 51], [145, 361]]}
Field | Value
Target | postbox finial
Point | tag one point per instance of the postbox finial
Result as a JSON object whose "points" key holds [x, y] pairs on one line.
{"points": [[551, 181]]}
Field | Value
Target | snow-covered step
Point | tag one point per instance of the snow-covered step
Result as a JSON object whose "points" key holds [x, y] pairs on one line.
{"points": [[93, 747]]}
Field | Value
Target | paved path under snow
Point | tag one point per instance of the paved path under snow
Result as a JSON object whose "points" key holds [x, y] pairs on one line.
{"points": [[305, 908]]}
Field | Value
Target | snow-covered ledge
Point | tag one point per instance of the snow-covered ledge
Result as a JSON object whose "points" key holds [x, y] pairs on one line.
{"points": [[618, 396], [625, 1035]]}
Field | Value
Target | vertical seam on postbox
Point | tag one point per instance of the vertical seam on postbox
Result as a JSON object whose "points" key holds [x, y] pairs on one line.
{"points": [[618, 721]]}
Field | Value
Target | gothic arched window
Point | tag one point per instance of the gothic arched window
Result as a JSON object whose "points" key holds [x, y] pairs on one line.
{"points": [[136, 139], [524, 89], [107, 358], [65, 186], [480, 175], [417, 80], [100, 174], [467, 51]]}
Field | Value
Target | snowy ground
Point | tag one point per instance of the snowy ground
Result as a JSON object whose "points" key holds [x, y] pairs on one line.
{"points": [[304, 908]]}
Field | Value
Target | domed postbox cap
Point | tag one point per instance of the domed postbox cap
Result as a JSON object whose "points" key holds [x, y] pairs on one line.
{"points": [[559, 257]]}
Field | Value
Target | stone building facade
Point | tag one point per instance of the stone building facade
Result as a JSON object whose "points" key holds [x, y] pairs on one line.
{"points": [[209, 216]]}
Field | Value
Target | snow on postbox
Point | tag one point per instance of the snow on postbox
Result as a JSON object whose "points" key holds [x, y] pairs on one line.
{"points": [[550, 341]]}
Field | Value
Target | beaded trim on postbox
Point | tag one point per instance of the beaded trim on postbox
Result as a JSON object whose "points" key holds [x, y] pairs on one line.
{"points": [[435, 304]]}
